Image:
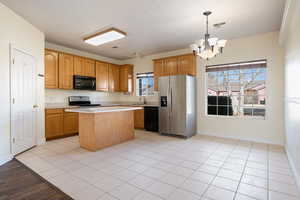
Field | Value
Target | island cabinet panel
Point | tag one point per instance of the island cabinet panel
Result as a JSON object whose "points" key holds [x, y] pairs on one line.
{"points": [[114, 78], [126, 78], [186, 64], [139, 119], [102, 75], [51, 69], [60, 124], [101, 130], [66, 71]]}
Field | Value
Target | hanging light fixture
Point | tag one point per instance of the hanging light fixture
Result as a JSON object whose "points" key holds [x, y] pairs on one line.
{"points": [[208, 47]]}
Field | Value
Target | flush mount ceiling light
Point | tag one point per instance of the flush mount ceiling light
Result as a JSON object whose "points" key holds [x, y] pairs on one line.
{"points": [[106, 36], [208, 47]]}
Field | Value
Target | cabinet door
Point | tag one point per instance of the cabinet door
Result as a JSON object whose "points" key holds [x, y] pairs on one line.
{"points": [[171, 66], [51, 69], [79, 66], [114, 78], [126, 78], [187, 65], [159, 71], [54, 125], [89, 67], [66, 71], [139, 119], [70, 123], [102, 70]]}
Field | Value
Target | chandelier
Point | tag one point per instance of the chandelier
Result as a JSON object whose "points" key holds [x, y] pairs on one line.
{"points": [[208, 48]]}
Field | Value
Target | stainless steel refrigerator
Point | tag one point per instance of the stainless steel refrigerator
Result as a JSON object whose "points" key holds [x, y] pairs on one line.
{"points": [[177, 110]]}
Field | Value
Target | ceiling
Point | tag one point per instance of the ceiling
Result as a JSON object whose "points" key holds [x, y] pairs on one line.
{"points": [[152, 26]]}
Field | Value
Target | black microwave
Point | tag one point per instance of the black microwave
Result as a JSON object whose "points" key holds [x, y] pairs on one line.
{"points": [[84, 82]]}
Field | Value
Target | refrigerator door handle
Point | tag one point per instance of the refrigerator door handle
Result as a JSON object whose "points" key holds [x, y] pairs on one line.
{"points": [[171, 100]]}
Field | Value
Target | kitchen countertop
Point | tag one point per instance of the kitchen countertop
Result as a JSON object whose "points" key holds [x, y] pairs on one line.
{"points": [[103, 104], [102, 109]]}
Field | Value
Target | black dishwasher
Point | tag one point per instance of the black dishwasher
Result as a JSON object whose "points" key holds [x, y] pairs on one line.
{"points": [[151, 118]]}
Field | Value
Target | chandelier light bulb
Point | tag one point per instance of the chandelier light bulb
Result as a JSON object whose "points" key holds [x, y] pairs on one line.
{"points": [[208, 47]]}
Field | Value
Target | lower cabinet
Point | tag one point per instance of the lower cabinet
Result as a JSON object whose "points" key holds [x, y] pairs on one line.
{"points": [[60, 124], [139, 119]]}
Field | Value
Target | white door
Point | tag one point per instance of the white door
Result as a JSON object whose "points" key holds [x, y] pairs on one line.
{"points": [[23, 98]]}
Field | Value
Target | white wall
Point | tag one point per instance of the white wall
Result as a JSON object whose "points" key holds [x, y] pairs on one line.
{"points": [[263, 46], [292, 86], [17, 31], [270, 130]]}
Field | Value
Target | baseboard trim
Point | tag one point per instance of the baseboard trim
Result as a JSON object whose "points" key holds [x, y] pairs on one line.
{"points": [[5, 159], [41, 141], [239, 138], [295, 172]]}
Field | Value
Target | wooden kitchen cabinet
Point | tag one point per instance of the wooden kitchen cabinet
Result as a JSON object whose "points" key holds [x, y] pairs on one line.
{"points": [[176, 65], [79, 65], [89, 67], [126, 78], [171, 66], [51, 69], [186, 64], [84, 66], [70, 123], [54, 123], [60, 124], [66, 71], [102, 75], [114, 78], [158, 72], [139, 119]]}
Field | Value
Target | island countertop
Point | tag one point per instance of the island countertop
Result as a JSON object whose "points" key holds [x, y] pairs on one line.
{"points": [[103, 109]]}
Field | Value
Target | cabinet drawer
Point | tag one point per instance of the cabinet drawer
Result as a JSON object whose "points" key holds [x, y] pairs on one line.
{"points": [[54, 111]]}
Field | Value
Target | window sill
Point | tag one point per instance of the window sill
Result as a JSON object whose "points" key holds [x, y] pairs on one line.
{"points": [[234, 117]]}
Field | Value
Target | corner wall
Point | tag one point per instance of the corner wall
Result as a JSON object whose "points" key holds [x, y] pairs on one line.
{"points": [[15, 30], [292, 85]]}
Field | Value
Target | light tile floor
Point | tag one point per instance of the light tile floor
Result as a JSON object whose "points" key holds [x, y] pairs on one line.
{"points": [[154, 167]]}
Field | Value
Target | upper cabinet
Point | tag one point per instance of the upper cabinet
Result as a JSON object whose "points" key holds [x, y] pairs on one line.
{"points": [[187, 64], [126, 78], [158, 71], [170, 66], [102, 72], [176, 65], [66, 72], [84, 66], [61, 67], [89, 67], [79, 65], [114, 78], [51, 69]]}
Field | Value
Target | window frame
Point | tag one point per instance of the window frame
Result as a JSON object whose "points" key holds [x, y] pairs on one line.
{"points": [[137, 92], [230, 117]]}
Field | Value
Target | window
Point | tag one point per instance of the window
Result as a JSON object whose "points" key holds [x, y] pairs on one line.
{"points": [[237, 89], [145, 84]]}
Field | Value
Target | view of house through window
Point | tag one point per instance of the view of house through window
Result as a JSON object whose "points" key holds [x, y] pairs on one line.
{"points": [[237, 89], [145, 84]]}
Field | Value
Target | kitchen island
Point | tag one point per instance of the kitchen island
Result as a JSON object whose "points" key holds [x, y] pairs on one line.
{"points": [[101, 127]]}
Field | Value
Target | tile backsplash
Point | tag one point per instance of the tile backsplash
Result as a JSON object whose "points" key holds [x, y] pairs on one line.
{"points": [[61, 96]]}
